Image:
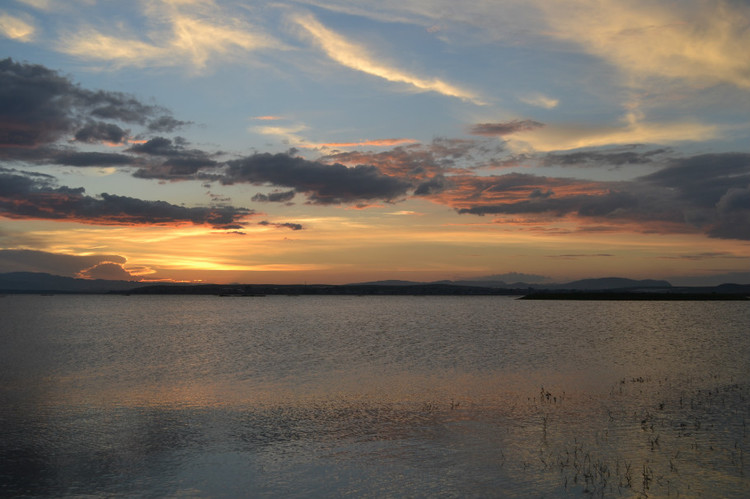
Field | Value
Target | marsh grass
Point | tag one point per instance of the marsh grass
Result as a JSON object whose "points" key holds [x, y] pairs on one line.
{"points": [[647, 437]]}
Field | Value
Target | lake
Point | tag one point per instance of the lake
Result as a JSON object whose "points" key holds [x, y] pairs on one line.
{"points": [[373, 396]]}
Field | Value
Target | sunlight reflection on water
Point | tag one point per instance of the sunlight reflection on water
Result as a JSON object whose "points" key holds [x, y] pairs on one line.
{"points": [[372, 396]]}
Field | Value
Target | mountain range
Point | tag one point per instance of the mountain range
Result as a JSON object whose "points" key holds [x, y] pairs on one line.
{"points": [[31, 282]]}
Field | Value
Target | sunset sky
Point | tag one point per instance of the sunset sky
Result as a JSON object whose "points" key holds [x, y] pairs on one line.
{"points": [[337, 141]]}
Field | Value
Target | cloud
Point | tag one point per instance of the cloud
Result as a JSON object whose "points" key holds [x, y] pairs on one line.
{"points": [[549, 198], [107, 270], [540, 100], [706, 255], [274, 197], [434, 185], [506, 128], [288, 134], [166, 123], [710, 193], [322, 183], [354, 56], [93, 159], [39, 4], [39, 107], [696, 41], [595, 158], [634, 130], [31, 197], [733, 215], [420, 162], [181, 163], [699, 42], [589, 205], [287, 225], [703, 180], [97, 131], [201, 35], [23, 260], [159, 146], [16, 28]]}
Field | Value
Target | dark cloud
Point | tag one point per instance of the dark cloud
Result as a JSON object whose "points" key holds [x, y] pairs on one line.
{"points": [[733, 215], [120, 107], [181, 163], [99, 131], [539, 193], [323, 183], [35, 104], [713, 191], [38, 106], [703, 180], [292, 226], [583, 204], [158, 146], [706, 255], [274, 197], [418, 162], [25, 197], [598, 158], [21, 260], [706, 192], [435, 185], [186, 165], [166, 123], [93, 159], [504, 128]]}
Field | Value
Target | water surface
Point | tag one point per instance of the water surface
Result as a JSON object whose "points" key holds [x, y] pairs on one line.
{"points": [[372, 396]]}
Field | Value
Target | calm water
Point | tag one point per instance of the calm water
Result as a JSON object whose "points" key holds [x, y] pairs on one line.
{"points": [[372, 396]]}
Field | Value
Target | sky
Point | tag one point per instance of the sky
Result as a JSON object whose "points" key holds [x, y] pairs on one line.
{"points": [[339, 141]]}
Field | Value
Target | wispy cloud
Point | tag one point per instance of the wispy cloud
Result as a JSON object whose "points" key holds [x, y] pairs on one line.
{"points": [[38, 4], [195, 36], [634, 130], [504, 128], [699, 42], [288, 134], [16, 28], [357, 57], [540, 100]]}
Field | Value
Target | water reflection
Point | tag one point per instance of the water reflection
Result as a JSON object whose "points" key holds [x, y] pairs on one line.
{"points": [[318, 398]]}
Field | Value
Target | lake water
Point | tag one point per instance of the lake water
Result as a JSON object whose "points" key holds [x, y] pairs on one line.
{"points": [[372, 397]]}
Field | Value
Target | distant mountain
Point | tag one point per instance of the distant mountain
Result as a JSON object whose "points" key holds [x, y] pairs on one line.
{"points": [[30, 282], [609, 283], [391, 282], [614, 283], [35, 282]]}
